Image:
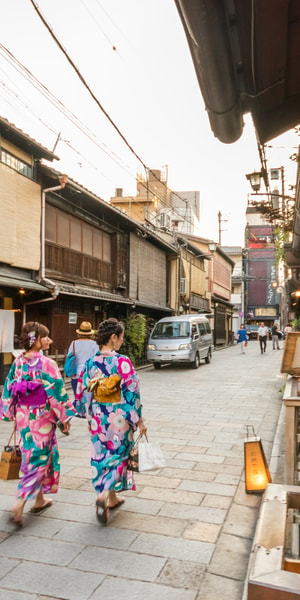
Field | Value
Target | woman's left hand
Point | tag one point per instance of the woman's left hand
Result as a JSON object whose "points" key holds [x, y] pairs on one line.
{"points": [[67, 427]]}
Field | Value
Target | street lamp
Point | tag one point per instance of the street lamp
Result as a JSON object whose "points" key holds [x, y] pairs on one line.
{"points": [[254, 179]]}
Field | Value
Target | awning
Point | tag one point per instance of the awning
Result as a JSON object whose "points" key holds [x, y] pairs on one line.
{"points": [[86, 292], [27, 284], [153, 306], [222, 301]]}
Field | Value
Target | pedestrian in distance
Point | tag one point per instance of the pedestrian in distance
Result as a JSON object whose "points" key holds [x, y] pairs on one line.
{"points": [[242, 338], [113, 417], [263, 336], [34, 396], [275, 336], [83, 348], [288, 329]]}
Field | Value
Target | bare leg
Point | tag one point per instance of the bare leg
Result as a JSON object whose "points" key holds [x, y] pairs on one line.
{"points": [[41, 501], [17, 511], [114, 500]]}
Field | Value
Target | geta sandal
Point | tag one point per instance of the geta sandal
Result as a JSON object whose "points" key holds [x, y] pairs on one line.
{"points": [[102, 515]]}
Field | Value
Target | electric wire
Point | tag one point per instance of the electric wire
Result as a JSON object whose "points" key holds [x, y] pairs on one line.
{"points": [[58, 104], [95, 20], [86, 85], [80, 154]]}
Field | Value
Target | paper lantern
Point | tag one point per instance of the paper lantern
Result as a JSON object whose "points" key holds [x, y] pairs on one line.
{"points": [[257, 475]]}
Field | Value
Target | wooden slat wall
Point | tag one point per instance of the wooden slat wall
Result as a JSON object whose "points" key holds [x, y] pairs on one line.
{"points": [[20, 203]]}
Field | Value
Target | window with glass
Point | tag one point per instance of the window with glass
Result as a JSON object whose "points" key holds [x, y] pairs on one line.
{"points": [[171, 329], [15, 163]]}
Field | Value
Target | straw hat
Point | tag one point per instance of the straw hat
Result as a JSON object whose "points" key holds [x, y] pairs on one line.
{"points": [[85, 329]]}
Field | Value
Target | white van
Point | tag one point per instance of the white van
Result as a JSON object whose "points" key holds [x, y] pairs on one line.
{"points": [[183, 339]]}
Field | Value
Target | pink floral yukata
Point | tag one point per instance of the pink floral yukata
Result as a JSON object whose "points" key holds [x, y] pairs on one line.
{"points": [[36, 426]]}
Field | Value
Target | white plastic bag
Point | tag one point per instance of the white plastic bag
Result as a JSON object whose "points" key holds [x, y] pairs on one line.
{"points": [[150, 456]]}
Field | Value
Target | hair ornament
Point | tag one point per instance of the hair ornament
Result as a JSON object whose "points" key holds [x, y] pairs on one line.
{"points": [[32, 338]]}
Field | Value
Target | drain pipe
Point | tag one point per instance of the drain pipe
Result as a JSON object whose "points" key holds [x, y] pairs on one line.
{"points": [[51, 285]]}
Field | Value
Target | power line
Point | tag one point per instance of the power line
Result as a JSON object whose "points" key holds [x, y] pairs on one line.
{"points": [[86, 85], [41, 88], [84, 82]]}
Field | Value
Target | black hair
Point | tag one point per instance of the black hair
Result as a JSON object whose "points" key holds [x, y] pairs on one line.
{"points": [[106, 329], [30, 333]]}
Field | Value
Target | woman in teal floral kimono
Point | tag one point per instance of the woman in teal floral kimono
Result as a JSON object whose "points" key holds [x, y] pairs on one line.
{"points": [[35, 397], [113, 418]]}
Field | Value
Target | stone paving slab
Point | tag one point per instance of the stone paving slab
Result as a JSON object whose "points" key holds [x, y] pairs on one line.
{"points": [[59, 582], [96, 535], [214, 586], [35, 525], [40, 550], [171, 547], [192, 474], [158, 481], [6, 565], [150, 524], [182, 574], [194, 513], [228, 557], [180, 464], [111, 589], [241, 521], [131, 564], [179, 497], [14, 595], [207, 487], [203, 532]]}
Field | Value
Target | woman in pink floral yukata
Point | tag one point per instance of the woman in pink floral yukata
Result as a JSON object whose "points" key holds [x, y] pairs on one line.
{"points": [[34, 395]]}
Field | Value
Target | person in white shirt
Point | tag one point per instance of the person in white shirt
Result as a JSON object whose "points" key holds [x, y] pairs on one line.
{"points": [[288, 329], [263, 336]]}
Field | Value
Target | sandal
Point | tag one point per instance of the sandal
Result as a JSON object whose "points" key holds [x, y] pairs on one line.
{"points": [[37, 509], [103, 515], [119, 503]]}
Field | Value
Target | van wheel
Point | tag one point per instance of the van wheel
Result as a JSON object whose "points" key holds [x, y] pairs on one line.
{"points": [[208, 357], [196, 362], [157, 365]]}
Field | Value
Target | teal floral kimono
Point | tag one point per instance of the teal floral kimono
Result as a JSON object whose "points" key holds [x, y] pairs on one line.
{"points": [[112, 425]]}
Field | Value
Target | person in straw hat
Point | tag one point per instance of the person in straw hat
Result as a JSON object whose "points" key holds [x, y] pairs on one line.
{"points": [[83, 348]]}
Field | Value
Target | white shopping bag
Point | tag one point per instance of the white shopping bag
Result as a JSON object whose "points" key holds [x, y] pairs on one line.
{"points": [[150, 456]]}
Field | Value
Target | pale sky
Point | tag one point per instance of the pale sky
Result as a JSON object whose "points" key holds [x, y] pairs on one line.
{"points": [[135, 58]]}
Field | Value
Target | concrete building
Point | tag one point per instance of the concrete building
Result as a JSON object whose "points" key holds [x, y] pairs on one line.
{"points": [[238, 285], [261, 297]]}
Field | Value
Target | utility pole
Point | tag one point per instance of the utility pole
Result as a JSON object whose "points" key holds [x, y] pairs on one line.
{"points": [[220, 230], [220, 221]]}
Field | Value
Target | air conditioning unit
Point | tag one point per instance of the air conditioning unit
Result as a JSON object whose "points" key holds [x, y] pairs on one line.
{"points": [[183, 285], [164, 220]]}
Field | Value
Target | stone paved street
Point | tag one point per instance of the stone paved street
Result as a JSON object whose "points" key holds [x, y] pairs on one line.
{"points": [[186, 533]]}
